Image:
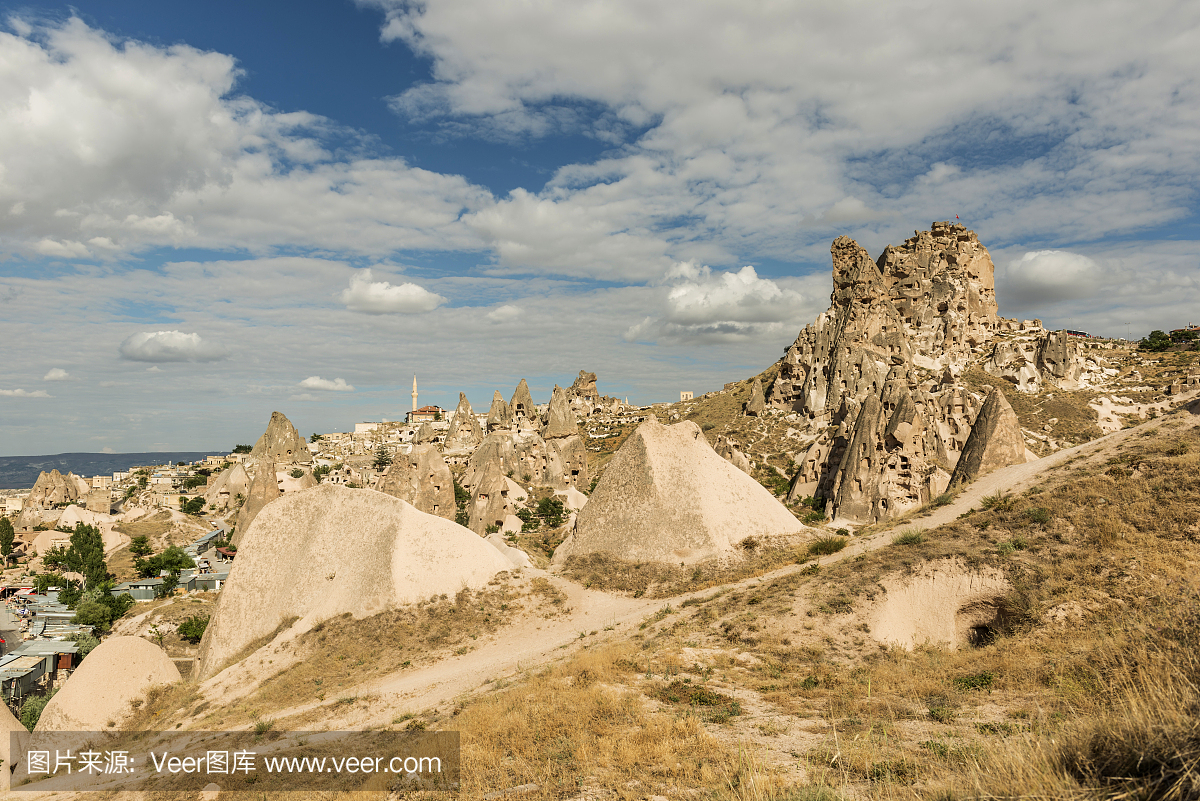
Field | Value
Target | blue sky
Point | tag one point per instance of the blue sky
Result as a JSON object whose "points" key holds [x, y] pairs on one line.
{"points": [[212, 211]]}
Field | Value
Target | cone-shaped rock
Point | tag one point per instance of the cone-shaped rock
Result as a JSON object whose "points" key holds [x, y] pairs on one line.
{"points": [[12, 750], [464, 433], [114, 673], [757, 403], [560, 420], [229, 484], [281, 442], [264, 488], [521, 405], [499, 416], [331, 550], [422, 479], [995, 441], [667, 496], [728, 451]]}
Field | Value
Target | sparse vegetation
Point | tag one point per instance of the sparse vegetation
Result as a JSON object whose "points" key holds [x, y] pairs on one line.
{"points": [[826, 546], [913, 536]]}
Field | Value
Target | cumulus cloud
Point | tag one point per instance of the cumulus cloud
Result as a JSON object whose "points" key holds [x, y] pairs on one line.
{"points": [[20, 393], [1049, 276], [504, 314], [170, 346], [336, 385], [112, 145], [56, 374], [380, 297], [703, 305]]}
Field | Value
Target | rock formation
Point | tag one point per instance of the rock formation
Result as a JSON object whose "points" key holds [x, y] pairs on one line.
{"points": [[425, 434], [995, 441], [281, 443], [560, 420], [521, 406], [422, 479], [757, 403], [585, 388], [12, 749], [331, 550], [558, 463], [499, 417], [118, 670], [464, 433], [667, 496], [876, 375], [55, 488], [222, 493], [728, 451], [493, 500], [264, 488]]}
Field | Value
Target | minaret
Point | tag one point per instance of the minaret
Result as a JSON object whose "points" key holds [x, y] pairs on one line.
{"points": [[414, 393]]}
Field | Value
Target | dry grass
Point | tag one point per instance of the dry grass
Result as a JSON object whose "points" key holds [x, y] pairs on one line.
{"points": [[577, 727], [604, 571], [341, 653]]}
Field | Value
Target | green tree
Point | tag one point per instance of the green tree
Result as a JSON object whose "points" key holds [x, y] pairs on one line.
{"points": [[382, 458], [140, 546], [6, 537], [320, 471], [31, 710], [191, 482], [86, 643], [193, 628], [192, 506], [170, 582], [86, 554], [297, 473], [241, 449], [1157, 342], [550, 510], [93, 613], [173, 560], [315, 438]]}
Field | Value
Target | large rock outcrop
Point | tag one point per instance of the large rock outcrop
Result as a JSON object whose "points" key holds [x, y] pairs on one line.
{"points": [[877, 374], [223, 492], [373, 551], [464, 433], [667, 496], [281, 443], [995, 441], [757, 403], [264, 488], [422, 479], [560, 420], [118, 670], [12, 749], [524, 455], [584, 388]]}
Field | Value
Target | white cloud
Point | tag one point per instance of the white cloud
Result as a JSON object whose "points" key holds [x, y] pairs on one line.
{"points": [[380, 297], [154, 368], [111, 146], [56, 374], [1048, 276], [336, 385], [20, 393], [707, 306], [504, 314], [170, 346], [107, 449]]}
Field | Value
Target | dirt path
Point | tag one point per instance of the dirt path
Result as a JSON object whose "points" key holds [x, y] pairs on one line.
{"points": [[535, 641]]}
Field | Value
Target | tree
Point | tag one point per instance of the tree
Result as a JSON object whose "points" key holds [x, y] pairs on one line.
{"points": [[550, 510], [86, 642], [170, 581], [31, 710], [6, 537], [382, 458], [193, 628], [191, 482], [1157, 342], [191, 507], [172, 560], [315, 438], [140, 546], [86, 555], [242, 449], [297, 473]]}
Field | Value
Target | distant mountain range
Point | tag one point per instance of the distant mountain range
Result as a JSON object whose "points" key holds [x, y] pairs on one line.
{"points": [[17, 472]]}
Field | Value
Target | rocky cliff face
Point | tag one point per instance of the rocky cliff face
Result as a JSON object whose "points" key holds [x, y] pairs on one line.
{"points": [[877, 372], [281, 443]]}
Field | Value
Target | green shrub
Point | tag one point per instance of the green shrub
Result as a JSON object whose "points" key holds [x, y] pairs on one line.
{"points": [[193, 628], [826, 546], [1038, 515], [297, 473], [976, 681], [914, 536], [31, 710], [998, 502], [944, 499]]}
